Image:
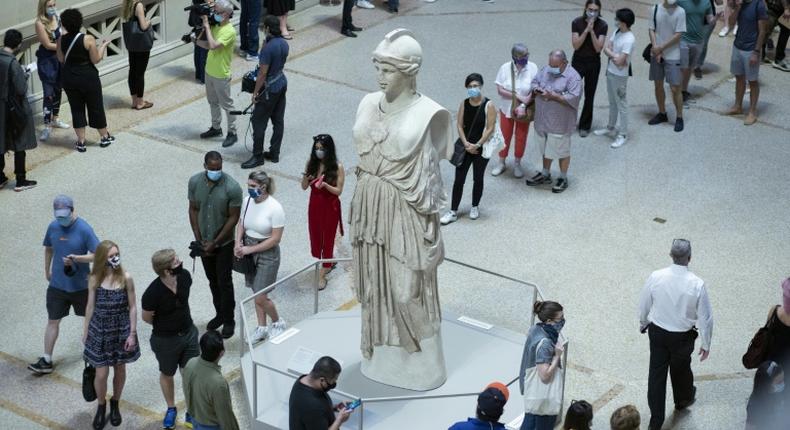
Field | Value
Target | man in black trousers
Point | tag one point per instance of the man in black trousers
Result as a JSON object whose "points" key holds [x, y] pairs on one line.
{"points": [[673, 304], [348, 27]]}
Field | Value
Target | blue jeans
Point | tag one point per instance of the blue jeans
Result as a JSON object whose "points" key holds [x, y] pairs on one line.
{"points": [[200, 55], [248, 25], [49, 74], [538, 422]]}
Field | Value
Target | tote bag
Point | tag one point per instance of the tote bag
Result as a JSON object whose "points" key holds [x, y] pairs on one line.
{"points": [[494, 143], [136, 39], [540, 398]]}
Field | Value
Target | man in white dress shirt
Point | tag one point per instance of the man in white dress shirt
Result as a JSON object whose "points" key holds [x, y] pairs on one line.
{"points": [[673, 304]]}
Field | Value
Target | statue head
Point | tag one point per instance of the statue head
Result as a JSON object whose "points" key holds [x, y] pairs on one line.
{"points": [[397, 59]]}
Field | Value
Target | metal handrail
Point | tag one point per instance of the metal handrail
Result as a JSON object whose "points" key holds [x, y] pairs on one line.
{"points": [[537, 294]]}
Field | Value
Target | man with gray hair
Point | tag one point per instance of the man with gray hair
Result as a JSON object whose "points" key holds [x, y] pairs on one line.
{"points": [[557, 90], [673, 304]]}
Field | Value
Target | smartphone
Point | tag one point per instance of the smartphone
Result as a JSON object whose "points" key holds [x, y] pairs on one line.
{"points": [[353, 405], [319, 181]]}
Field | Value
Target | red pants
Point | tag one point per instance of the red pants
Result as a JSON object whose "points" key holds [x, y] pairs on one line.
{"points": [[522, 128]]}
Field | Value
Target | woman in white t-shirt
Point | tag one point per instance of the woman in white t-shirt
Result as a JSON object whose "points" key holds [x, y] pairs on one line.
{"points": [[258, 233], [523, 71], [619, 49]]}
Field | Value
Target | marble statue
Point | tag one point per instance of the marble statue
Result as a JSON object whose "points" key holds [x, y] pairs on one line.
{"points": [[400, 136]]}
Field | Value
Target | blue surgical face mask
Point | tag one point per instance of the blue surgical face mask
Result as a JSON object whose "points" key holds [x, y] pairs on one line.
{"points": [[554, 70], [64, 221], [473, 92], [218, 18], [779, 387], [254, 192], [320, 154], [213, 175], [51, 11], [592, 15]]}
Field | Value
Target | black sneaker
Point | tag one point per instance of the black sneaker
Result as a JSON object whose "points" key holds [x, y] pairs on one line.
{"points": [[211, 132], [658, 119], [41, 367], [698, 73], [80, 147], [560, 186], [107, 141], [254, 161], [24, 184], [230, 139], [539, 179], [355, 28], [679, 125], [214, 323], [227, 330], [269, 156]]}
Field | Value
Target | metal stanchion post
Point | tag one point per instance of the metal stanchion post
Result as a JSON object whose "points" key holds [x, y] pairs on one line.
{"points": [[315, 288], [254, 390]]}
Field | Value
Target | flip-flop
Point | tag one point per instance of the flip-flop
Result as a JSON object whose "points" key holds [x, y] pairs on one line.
{"points": [[322, 287], [145, 105]]}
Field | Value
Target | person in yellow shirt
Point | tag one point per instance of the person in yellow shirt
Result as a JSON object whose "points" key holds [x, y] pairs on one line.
{"points": [[220, 39]]}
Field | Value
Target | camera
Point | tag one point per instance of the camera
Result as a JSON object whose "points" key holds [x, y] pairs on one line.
{"points": [[195, 249], [199, 8], [196, 10]]}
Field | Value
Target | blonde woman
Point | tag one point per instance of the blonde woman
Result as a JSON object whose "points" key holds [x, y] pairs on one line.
{"points": [[48, 31], [138, 60], [110, 333]]}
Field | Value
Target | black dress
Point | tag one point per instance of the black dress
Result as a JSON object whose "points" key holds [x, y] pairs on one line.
{"points": [[279, 7]]}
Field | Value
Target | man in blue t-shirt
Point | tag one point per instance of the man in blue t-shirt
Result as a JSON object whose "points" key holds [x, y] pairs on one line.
{"points": [[745, 59], [269, 96], [69, 245]]}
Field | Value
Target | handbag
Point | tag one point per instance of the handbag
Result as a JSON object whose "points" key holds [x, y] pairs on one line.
{"points": [[647, 54], [540, 398], [459, 151], [529, 112], [88, 390], [494, 143], [246, 264], [136, 39], [757, 352]]}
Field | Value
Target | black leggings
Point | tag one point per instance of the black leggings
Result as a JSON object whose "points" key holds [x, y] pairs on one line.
{"points": [[138, 62], [478, 173], [589, 69], [19, 165]]}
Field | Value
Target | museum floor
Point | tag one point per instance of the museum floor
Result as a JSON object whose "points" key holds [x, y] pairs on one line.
{"points": [[720, 184]]}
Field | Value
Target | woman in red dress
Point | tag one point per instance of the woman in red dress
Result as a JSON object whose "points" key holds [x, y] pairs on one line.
{"points": [[325, 177]]}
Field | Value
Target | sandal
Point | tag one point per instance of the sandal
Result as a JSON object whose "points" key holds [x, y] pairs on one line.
{"points": [[322, 285], [145, 105]]}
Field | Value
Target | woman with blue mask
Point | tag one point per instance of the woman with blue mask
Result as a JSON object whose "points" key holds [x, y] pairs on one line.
{"points": [[475, 123], [325, 177], [588, 33], [48, 31], [540, 367], [765, 409], [258, 234]]}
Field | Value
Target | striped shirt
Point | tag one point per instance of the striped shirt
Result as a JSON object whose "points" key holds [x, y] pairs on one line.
{"points": [[552, 116]]}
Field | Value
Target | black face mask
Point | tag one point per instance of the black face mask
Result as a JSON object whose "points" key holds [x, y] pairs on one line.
{"points": [[330, 387], [177, 270]]}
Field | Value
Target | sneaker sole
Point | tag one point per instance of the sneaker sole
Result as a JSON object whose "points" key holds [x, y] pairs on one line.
{"points": [[26, 187], [558, 190], [39, 371]]}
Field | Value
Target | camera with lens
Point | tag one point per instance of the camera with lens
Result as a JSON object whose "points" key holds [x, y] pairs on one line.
{"points": [[196, 10], [195, 249]]}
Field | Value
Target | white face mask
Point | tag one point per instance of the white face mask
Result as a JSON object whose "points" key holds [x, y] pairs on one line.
{"points": [[671, 2]]}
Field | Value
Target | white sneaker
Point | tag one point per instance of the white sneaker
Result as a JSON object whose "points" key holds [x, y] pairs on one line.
{"points": [[277, 328], [60, 124], [250, 57], [498, 169], [261, 334], [449, 217], [620, 141], [45, 132], [724, 31], [604, 132], [474, 213], [517, 172], [365, 4]]}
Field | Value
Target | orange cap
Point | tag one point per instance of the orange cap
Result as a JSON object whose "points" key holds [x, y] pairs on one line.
{"points": [[501, 387]]}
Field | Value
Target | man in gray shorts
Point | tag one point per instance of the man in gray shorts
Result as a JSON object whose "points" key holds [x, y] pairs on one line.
{"points": [[665, 33], [745, 60], [698, 15]]}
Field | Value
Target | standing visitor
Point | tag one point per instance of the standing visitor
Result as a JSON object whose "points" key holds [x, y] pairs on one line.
{"points": [[766, 409], [214, 202], [248, 28], [619, 49], [677, 304], [348, 28], [707, 32], [48, 32], [206, 391], [513, 83], [779, 10], [280, 9], [13, 138], [490, 407], [138, 60], [258, 235], [579, 416], [779, 349], [69, 245], [665, 59], [110, 329], [475, 123], [325, 177], [588, 33], [79, 55], [625, 418], [309, 406], [752, 17], [699, 15]]}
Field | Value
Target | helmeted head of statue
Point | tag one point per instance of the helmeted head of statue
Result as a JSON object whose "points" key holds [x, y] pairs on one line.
{"points": [[401, 50]]}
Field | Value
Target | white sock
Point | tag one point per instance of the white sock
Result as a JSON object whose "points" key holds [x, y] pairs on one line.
{"points": [[47, 358], [545, 172]]}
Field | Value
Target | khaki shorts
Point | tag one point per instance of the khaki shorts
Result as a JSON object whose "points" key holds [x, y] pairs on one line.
{"points": [[554, 146]]}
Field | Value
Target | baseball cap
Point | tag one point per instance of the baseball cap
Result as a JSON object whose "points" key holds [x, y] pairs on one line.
{"points": [[491, 402], [63, 205]]}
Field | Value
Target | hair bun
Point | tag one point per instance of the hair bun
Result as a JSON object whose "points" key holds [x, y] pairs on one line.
{"points": [[537, 307]]}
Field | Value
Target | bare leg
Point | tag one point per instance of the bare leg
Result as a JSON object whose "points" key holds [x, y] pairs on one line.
{"points": [[677, 98], [546, 163], [564, 164], [268, 307], [754, 96], [118, 380], [51, 335], [168, 389], [80, 134], [100, 384], [686, 78], [660, 96], [103, 132], [740, 89], [260, 309], [283, 24]]}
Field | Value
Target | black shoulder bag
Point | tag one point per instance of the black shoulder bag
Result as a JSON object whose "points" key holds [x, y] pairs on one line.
{"points": [[459, 151], [246, 264], [135, 38], [88, 389], [646, 54]]}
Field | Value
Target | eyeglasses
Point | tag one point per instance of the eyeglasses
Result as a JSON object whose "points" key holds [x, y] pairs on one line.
{"points": [[320, 137]]}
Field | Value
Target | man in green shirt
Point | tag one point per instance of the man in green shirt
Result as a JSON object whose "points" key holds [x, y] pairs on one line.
{"points": [[205, 389], [220, 39], [699, 14], [214, 207]]}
